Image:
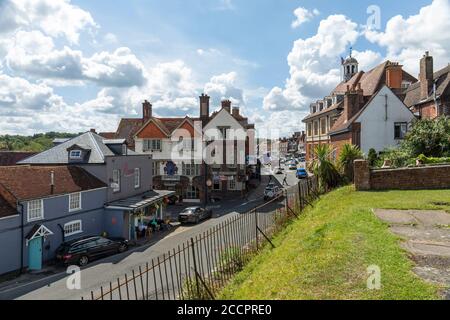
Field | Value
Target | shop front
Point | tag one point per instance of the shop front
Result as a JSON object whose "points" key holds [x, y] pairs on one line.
{"points": [[139, 210]]}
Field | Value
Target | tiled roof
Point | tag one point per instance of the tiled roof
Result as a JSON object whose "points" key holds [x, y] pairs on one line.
{"points": [[108, 135], [324, 111], [413, 93], [67, 179], [370, 81], [58, 154], [127, 129], [6, 209], [10, 158]]}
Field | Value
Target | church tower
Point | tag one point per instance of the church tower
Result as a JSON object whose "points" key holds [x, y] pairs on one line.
{"points": [[349, 66]]}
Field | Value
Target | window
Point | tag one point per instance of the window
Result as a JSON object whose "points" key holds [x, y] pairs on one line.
{"points": [[217, 185], [152, 145], [309, 129], [74, 202], [137, 178], [116, 181], [75, 154], [232, 184], [401, 128], [191, 169], [323, 125], [155, 168], [35, 210], [192, 193], [72, 228], [316, 128]]}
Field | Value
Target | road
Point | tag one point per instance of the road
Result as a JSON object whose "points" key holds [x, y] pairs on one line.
{"points": [[99, 273]]}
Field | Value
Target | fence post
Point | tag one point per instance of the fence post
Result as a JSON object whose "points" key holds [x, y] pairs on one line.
{"points": [[256, 229]]}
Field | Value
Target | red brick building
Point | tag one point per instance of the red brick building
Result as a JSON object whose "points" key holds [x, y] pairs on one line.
{"points": [[430, 97]]}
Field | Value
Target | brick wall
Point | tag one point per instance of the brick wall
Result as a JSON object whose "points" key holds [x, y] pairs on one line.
{"points": [[429, 177], [339, 140]]}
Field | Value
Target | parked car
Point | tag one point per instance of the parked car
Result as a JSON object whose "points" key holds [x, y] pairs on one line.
{"points": [[301, 173], [292, 166], [194, 215], [272, 191], [277, 170], [84, 250]]}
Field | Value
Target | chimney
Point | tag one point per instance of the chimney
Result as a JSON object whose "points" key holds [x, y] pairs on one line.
{"points": [[394, 75], [236, 112], [426, 75], [353, 101], [52, 182], [146, 111], [93, 131], [204, 107], [226, 104]]}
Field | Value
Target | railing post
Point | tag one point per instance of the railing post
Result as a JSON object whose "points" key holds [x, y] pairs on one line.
{"points": [[195, 269]]}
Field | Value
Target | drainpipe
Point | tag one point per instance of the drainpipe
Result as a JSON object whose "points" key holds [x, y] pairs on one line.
{"points": [[21, 236], [386, 107], [62, 232]]}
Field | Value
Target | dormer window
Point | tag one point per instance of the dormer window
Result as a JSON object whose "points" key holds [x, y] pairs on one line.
{"points": [[75, 154]]}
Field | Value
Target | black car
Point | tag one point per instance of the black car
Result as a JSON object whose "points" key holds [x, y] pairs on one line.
{"points": [[194, 215], [82, 251]]}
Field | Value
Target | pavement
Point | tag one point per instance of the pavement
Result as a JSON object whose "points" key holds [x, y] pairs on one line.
{"points": [[426, 235]]}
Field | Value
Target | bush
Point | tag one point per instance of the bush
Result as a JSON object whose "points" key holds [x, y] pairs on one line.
{"points": [[324, 169], [430, 160], [372, 157], [349, 154]]}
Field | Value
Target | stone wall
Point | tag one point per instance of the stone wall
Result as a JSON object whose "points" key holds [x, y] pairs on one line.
{"points": [[426, 177]]}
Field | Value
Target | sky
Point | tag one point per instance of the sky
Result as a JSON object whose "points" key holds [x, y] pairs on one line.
{"points": [[72, 65]]}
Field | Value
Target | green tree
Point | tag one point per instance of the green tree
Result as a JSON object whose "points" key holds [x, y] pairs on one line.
{"points": [[428, 137], [323, 167], [349, 154]]}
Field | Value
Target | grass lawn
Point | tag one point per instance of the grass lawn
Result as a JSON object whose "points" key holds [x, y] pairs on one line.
{"points": [[325, 254]]}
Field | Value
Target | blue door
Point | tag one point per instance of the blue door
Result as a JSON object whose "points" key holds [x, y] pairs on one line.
{"points": [[35, 254]]}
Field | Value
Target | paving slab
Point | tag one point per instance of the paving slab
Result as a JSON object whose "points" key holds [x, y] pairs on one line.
{"points": [[426, 237]]}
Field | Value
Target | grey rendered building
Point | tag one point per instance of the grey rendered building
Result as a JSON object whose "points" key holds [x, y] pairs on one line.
{"points": [[121, 196]]}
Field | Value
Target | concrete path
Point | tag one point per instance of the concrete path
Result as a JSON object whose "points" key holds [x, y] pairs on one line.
{"points": [[427, 239]]}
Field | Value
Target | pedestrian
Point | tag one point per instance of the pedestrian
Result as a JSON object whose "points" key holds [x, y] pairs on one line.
{"points": [[285, 180]]}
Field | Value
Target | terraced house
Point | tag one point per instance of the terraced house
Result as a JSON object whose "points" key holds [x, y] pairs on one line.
{"points": [[338, 113], [177, 144], [43, 206]]}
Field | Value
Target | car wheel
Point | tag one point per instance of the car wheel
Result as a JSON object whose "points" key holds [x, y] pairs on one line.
{"points": [[123, 247], [84, 260]]}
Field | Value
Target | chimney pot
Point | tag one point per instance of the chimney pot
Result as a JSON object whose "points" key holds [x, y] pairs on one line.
{"points": [[146, 111], [93, 131], [204, 107], [226, 104]]}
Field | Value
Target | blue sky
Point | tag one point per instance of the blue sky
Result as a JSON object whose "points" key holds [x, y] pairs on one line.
{"points": [[71, 65]]}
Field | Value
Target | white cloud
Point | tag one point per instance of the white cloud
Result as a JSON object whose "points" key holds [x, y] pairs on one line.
{"points": [[34, 54], [302, 16], [406, 39], [224, 86], [57, 18], [367, 59], [314, 65], [225, 5], [17, 95]]}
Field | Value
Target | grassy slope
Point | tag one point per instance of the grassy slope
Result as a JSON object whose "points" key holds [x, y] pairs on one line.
{"points": [[325, 254]]}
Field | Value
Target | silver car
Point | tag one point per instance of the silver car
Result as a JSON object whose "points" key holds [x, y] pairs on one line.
{"points": [[194, 215]]}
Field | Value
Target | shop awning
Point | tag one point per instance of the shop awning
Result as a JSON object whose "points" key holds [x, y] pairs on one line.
{"points": [[142, 201]]}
